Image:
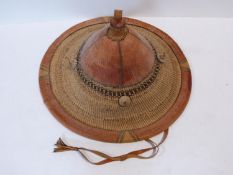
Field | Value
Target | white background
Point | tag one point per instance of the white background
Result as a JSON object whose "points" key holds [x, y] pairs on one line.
{"points": [[18, 11], [200, 142]]}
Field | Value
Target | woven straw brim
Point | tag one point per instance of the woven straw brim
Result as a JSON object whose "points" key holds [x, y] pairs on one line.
{"points": [[92, 109]]}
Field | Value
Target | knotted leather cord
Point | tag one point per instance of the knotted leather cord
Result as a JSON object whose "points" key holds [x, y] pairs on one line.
{"points": [[61, 146]]}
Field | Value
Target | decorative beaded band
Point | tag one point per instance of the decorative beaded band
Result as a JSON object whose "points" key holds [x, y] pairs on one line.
{"points": [[124, 91]]}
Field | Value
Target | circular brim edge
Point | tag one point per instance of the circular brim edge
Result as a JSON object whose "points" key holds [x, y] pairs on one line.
{"points": [[107, 135]]}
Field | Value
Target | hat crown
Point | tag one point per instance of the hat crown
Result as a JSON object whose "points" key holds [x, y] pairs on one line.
{"points": [[117, 55]]}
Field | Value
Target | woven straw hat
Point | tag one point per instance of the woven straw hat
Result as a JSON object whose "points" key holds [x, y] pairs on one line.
{"points": [[115, 79]]}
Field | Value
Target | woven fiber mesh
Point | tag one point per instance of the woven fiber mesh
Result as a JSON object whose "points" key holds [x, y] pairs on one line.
{"points": [[99, 111]]}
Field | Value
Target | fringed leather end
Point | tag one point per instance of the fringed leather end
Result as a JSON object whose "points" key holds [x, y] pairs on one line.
{"points": [[61, 146]]}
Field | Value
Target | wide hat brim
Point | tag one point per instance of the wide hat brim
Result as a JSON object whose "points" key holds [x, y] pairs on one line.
{"points": [[100, 117]]}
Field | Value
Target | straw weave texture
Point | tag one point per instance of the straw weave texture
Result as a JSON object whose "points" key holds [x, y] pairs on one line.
{"points": [[96, 110]]}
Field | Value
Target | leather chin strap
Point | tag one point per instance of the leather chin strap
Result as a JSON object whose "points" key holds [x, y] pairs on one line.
{"points": [[61, 146]]}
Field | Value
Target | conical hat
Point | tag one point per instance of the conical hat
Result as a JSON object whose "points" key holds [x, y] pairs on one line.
{"points": [[115, 79]]}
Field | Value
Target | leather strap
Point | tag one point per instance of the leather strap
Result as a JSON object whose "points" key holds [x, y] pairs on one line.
{"points": [[61, 146]]}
